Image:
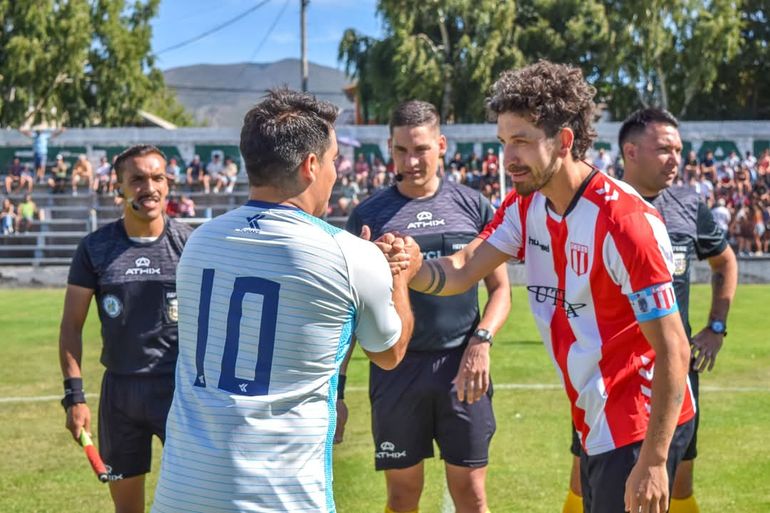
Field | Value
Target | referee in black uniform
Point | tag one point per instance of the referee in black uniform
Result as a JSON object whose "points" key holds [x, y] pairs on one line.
{"points": [[129, 266]]}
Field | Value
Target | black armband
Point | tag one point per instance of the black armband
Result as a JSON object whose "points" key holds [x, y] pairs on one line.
{"points": [[73, 392], [341, 387]]}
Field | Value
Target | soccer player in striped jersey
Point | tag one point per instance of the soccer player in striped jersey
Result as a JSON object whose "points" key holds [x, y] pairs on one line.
{"points": [[598, 265], [269, 295]]}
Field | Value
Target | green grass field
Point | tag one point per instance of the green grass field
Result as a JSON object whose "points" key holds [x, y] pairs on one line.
{"points": [[42, 470]]}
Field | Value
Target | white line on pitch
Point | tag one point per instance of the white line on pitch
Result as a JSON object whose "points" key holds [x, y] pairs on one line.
{"points": [[498, 386]]}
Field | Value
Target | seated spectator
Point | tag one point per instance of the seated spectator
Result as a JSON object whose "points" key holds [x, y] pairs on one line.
{"points": [[750, 162], [708, 167], [18, 177], [213, 171], [733, 160], [763, 164], [722, 216], [227, 177], [474, 163], [104, 177], [344, 166], [173, 173], [759, 228], [27, 212], [195, 171], [602, 161], [454, 175], [186, 206], [82, 169], [490, 158], [690, 168], [8, 217], [59, 173], [349, 193], [172, 206], [457, 161], [361, 168]]}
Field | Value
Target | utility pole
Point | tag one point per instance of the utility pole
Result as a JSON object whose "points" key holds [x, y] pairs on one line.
{"points": [[303, 32]]}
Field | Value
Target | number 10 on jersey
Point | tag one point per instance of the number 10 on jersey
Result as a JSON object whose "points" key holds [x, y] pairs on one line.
{"points": [[227, 379]]}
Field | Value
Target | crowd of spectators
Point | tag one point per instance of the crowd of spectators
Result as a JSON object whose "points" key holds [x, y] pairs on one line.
{"points": [[736, 189]]}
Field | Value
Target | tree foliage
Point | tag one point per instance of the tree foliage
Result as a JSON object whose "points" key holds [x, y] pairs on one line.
{"points": [[690, 56], [80, 63]]}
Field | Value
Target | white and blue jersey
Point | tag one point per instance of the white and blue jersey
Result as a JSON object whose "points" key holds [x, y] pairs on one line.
{"points": [[268, 299]]}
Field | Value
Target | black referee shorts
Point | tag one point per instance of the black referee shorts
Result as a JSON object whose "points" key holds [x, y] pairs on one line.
{"points": [[603, 476], [416, 403], [131, 410], [692, 450]]}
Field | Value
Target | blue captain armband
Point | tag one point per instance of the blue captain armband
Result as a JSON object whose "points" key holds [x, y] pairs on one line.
{"points": [[654, 302]]}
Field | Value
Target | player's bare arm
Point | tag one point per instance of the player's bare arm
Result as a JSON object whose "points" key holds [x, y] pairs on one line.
{"points": [[647, 485], [724, 280], [76, 303], [454, 274], [472, 380], [390, 358]]}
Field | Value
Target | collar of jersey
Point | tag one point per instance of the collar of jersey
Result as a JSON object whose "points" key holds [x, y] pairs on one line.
{"points": [[266, 204]]}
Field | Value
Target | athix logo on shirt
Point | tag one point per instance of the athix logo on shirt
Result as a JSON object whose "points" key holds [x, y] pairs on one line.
{"points": [[142, 267], [388, 451], [425, 220], [578, 258]]}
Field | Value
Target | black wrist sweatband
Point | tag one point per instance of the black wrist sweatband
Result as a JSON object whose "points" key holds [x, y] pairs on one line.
{"points": [[341, 387], [73, 392]]}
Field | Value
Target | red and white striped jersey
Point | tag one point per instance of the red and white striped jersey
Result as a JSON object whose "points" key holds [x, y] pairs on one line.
{"points": [[592, 276]]}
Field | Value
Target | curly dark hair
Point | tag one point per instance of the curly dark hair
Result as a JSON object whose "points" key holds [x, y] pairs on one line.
{"points": [[553, 96]]}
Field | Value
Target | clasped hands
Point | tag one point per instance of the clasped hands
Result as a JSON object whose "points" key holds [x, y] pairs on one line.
{"points": [[401, 251]]}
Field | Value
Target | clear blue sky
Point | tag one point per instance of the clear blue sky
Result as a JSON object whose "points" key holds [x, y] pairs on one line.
{"points": [[179, 20]]}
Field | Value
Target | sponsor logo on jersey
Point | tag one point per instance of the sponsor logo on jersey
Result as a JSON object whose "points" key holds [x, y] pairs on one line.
{"points": [[425, 220], [556, 297], [388, 451], [142, 267], [112, 305], [578, 258], [535, 242]]}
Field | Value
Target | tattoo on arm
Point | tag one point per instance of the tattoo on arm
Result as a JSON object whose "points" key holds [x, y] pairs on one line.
{"points": [[717, 282], [441, 278], [432, 277]]}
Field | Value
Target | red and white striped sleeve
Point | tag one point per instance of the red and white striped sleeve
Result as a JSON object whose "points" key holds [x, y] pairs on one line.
{"points": [[506, 231]]}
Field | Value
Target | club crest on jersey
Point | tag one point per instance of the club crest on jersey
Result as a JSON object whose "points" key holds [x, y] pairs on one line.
{"points": [[425, 220], [578, 258], [112, 305], [142, 266]]}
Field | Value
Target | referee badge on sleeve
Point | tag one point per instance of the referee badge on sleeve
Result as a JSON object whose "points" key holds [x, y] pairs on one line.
{"points": [[172, 306]]}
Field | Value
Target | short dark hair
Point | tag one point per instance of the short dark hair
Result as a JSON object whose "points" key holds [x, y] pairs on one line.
{"points": [[281, 131], [414, 113], [637, 123], [553, 96], [137, 150]]}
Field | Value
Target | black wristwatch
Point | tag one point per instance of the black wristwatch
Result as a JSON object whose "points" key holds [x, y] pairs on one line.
{"points": [[483, 335], [718, 327]]}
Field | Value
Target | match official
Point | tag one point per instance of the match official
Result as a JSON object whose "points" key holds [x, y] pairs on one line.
{"points": [[129, 266]]}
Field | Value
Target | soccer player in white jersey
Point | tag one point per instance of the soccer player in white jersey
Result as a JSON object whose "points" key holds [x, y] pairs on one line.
{"points": [[598, 265], [269, 295]]}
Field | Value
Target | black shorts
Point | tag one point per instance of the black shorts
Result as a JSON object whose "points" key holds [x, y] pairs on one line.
{"points": [[131, 410], [692, 450], [603, 476], [416, 403], [574, 447]]}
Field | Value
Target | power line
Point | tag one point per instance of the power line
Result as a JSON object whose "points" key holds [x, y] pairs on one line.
{"points": [[215, 29], [264, 38]]}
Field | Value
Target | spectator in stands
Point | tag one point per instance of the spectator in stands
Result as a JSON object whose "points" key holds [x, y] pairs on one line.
{"points": [[759, 228], [344, 166], [18, 176], [763, 164], [104, 177], [194, 171], [186, 206], [213, 171], [456, 161], [474, 163], [82, 169], [602, 161], [227, 177], [750, 162], [172, 206], [8, 217], [27, 212], [349, 195], [40, 140], [722, 216], [173, 173], [708, 166], [361, 168], [490, 158], [691, 169], [59, 172]]}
